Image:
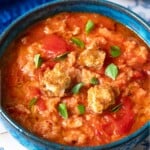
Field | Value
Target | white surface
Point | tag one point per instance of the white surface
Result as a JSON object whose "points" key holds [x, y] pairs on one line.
{"points": [[7, 141]]}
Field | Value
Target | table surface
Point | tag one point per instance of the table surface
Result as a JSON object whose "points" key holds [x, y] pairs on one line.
{"points": [[8, 12]]}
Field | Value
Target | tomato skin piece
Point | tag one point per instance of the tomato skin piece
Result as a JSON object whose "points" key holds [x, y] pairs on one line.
{"points": [[41, 104], [137, 75], [125, 117], [48, 64], [125, 124], [108, 129], [36, 93], [32, 92], [54, 45], [119, 122]]}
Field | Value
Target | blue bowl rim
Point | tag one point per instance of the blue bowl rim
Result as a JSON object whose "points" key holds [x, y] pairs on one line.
{"points": [[17, 126], [52, 2]]}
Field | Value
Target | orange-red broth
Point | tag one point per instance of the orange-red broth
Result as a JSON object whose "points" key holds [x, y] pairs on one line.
{"points": [[32, 92]]}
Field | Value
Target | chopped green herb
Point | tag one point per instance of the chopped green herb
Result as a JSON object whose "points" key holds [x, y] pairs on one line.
{"points": [[32, 102], [63, 110], [76, 88], [78, 42], [81, 109], [94, 81], [116, 108], [61, 56], [115, 51], [89, 26], [37, 60], [111, 71]]}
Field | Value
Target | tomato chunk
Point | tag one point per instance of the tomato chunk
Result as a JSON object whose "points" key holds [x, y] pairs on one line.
{"points": [[55, 45], [41, 104], [33, 92], [125, 124], [48, 64], [119, 122], [125, 117]]}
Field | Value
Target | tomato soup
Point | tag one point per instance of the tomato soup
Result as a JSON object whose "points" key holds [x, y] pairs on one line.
{"points": [[78, 79]]}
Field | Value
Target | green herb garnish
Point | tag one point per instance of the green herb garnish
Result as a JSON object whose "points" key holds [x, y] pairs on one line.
{"points": [[76, 88], [63, 110], [61, 56], [32, 102], [78, 42], [94, 81], [111, 71], [115, 51], [81, 109], [116, 108], [89, 26], [37, 60]]}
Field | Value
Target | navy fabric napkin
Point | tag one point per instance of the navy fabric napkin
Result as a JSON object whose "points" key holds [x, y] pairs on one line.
{"points": [[11, 9]]}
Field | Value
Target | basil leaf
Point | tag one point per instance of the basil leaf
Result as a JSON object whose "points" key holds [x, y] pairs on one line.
{"points": [[37, 60], [63, 110], [115, 51], [32, 102], [111, 71], [61, 56], [89, 26], [76, 88], [94, 81], [81, 109], [78, 42], [116, 108]]}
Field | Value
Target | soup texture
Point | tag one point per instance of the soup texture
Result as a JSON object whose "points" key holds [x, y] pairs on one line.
{"points": [[78, 79]]}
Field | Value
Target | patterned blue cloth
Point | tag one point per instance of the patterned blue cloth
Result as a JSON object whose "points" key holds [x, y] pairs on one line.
{"points": [[142, 8]]}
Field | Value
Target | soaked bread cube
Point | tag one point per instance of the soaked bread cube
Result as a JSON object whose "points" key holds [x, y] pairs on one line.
{"points": [[100, 97], [56, 81], [92, 58]]}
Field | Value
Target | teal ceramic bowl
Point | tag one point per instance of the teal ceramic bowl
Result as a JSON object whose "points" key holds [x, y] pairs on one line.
{"points": [[118, 13]]}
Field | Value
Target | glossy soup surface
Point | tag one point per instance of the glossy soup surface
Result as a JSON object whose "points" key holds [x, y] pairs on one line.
{"points": [[77, 79]]}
